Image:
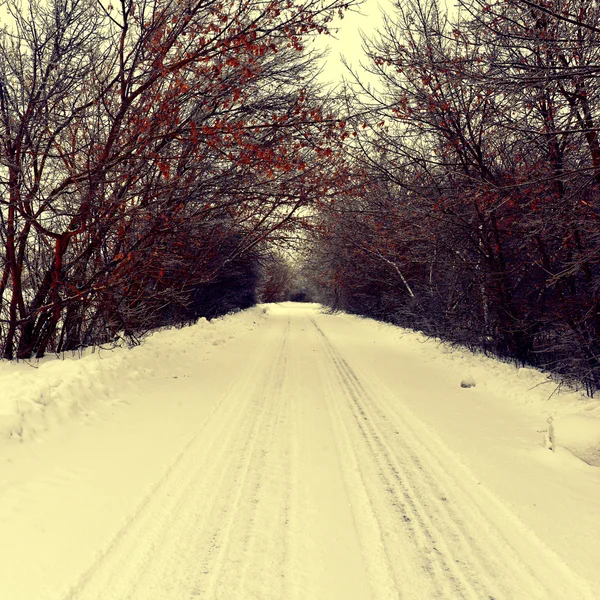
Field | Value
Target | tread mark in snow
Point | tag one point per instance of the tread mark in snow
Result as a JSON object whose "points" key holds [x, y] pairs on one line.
{"points": [[417, 485], [217, 467], [231, 516]]}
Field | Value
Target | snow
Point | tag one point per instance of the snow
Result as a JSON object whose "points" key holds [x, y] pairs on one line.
{"points": [[38, 394], [498, 429], [282, 452], [579, 434]]}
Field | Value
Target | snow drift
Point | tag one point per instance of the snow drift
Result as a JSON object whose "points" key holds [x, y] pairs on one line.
{"points": [[38, 394], [579, 434]]}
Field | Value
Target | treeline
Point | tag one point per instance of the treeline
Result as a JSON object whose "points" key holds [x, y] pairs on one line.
{"points": [[150, 152], [475, 215]]}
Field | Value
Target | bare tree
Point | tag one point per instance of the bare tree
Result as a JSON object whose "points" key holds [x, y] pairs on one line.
{"points": [[131, 133], [478, 218]]}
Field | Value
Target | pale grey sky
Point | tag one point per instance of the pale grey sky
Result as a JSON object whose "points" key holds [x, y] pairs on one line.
{"points": [[367, 19]]}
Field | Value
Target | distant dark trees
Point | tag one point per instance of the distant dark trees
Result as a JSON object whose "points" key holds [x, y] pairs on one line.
{"points": [[477, 219], [149, 153], [277, 279], [281, 279]]}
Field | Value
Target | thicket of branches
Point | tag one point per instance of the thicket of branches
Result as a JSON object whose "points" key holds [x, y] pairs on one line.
{"points": [[148, 153], [476, 211]]}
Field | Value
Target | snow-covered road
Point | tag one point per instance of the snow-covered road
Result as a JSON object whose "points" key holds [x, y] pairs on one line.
{"points": [[287, 469]]}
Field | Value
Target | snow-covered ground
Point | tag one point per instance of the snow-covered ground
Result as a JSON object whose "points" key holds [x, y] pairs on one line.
{"points": [[35, 395], [282, 453]]}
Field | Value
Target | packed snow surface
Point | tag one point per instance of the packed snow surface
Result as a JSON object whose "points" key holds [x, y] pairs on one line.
{"points": [[285, 453]]}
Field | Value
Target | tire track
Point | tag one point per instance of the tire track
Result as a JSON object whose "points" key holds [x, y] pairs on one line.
{"points": [[459, 561], [150, 556], [173, 488], [369, 527], [444, 580], [240, 559], [476, 525]]}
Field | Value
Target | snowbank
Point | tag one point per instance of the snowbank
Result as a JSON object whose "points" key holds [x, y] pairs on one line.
{"points": [[579, 434], [567, 418], [528, 391], [36, 395]]}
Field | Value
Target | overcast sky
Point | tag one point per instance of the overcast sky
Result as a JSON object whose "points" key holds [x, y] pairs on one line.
{"points": [[348, 42]]}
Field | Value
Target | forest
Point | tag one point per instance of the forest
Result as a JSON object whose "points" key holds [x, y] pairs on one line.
{"points": [[159, 158]]}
